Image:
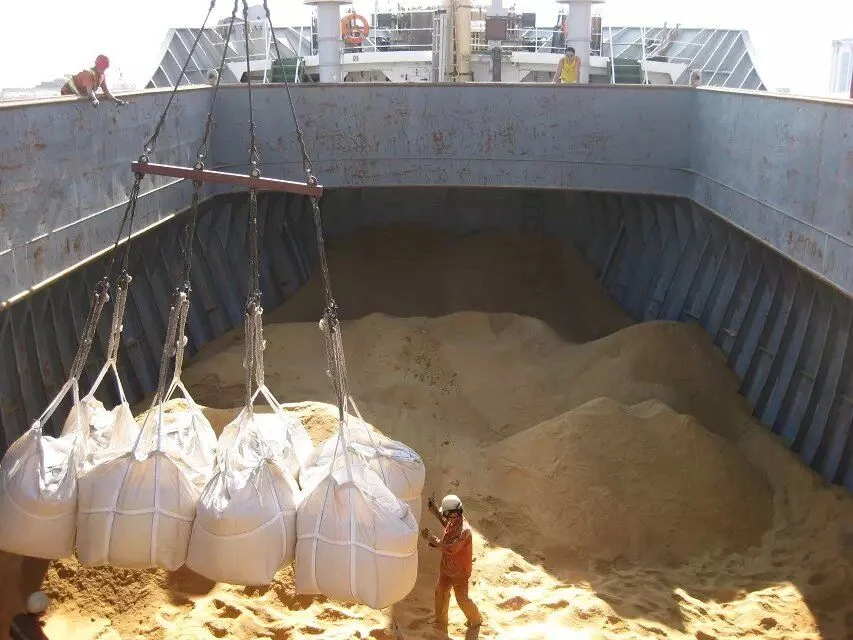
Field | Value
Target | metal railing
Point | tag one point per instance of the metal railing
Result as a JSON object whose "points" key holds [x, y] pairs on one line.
{"points": [[637, 43], [395, 39]]}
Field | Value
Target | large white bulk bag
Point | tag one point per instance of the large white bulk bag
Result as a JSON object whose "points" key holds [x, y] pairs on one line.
{"points": [[245, 527], [136, 513], [187, 436], [282, 432], [356, 541], [399, 466], [106, 433], [136, 510], [38, 487], [38, 496]]}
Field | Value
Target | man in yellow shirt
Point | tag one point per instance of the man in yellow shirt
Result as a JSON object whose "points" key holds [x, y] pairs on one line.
{"points": [[569, 68]]}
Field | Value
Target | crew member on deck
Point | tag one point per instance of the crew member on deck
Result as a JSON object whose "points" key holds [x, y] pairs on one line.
{"points": [[569, 68], [88, 81]]}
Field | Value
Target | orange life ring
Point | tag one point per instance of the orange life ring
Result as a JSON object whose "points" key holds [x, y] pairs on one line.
{"points": [[354, 28]]}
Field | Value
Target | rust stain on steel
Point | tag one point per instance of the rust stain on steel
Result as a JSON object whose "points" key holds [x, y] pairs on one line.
{"points": [[803, 246], [38, 257], [488, 140], [398, 115], [438, 141], [595, 142], [74, 245]]}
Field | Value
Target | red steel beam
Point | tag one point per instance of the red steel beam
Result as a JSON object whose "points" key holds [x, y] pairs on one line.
{"points": [[221, 177]]}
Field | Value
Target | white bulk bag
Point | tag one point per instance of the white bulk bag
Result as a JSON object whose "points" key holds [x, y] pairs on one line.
{"points": [[187, 435], [38, 487], [399, 466], [92, 413], [107, 434], [136, 511], [245, 527], [283, 432], [356, 541]]}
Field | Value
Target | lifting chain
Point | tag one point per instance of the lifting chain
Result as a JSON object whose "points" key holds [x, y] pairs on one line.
{"points": [[176, 339], [101, 295], [330, 324], [306, 160], [151, 144], [254, 362]]}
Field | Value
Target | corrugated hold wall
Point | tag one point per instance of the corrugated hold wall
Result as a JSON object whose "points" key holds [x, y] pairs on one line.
{"points": [[39, 335], [785, 333]]}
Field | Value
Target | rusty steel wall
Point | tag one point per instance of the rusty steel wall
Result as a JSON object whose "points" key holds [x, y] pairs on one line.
{"points": [[780, 169], [65, 177], [632, 139]]}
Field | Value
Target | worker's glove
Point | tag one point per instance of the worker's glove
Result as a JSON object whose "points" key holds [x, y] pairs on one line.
{"points": [[95, 102], [431, 504], [431, 539]]}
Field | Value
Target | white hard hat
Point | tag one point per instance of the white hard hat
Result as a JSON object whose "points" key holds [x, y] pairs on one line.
{"points": [[37, 602], [450, 503]]}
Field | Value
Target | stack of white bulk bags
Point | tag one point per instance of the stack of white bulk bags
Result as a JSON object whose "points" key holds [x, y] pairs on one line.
{"points": [[136, 510], [39, 474], [356, 541], [38, 487], [245, 527]]}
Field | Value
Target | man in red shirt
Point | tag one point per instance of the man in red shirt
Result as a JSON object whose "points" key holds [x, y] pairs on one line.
{"points": [[457, 560], [88, 81]]}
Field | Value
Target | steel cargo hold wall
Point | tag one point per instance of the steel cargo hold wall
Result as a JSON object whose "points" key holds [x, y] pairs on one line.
{"points": [[65, 178], [785, 333], [39, 335]]}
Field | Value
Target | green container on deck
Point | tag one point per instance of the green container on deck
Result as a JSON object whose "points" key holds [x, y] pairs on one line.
{"points": [[287, 68], [626, 71]]}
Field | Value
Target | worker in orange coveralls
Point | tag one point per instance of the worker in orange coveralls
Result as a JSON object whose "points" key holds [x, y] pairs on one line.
{"points": [[88, 81], [457, 560]]}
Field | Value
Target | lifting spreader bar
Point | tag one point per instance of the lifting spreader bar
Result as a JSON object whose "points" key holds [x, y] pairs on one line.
{"points": [[222, 177]]}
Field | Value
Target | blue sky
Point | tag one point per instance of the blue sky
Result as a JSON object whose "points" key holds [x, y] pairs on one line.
{"points": [[54, 37]]}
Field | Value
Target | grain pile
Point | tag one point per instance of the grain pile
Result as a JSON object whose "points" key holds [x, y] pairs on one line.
{"points": [[616, 483]]}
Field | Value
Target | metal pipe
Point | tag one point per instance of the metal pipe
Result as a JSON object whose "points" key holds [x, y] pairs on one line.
{"points": [[462, 37], [612, 59], [328, 39]]}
